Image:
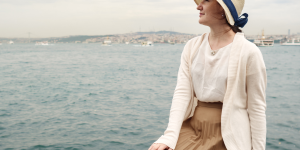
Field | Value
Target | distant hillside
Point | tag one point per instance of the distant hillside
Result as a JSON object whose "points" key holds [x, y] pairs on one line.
{"points": [[94, 38], [160, 32]]}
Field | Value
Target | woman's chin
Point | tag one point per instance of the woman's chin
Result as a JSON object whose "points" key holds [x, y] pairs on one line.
{"points": [[201, 22]]}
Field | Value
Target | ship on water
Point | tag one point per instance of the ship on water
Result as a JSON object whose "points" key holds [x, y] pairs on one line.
{"points": [[148, 43], [42, 43], [291, 42], [262, 42], [11, 42], [106, 42], [172, 42]]}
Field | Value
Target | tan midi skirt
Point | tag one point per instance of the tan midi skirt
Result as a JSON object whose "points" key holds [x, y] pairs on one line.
{"points": [[203, 130]]}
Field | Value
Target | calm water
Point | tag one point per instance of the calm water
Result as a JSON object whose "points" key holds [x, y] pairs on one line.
{"points": [[76, 96]]}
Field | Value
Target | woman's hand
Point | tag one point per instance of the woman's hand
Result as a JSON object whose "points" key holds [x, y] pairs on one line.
{"points": [[159, 146]]}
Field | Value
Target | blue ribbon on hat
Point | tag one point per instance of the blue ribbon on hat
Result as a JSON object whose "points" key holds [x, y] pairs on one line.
{"points": [[239, 21]]}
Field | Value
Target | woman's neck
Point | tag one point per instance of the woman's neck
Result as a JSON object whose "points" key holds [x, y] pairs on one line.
{"points": [[220, 36]]}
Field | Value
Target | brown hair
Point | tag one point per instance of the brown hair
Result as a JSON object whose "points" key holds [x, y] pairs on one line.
{"points": [[234, 28]]}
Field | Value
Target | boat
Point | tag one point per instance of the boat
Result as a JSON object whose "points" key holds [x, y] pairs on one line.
{"points": [[10, 42], [42, 43], [262, 42], [106, 42], [126, 42], [292, 42], [0, 43], [148, 43], [172, 42]]}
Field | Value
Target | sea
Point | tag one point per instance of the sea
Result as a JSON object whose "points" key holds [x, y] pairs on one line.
{"points": [[93, 97]]}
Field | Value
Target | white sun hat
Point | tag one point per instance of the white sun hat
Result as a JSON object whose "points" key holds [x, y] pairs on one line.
{"points": [[233, 9]]}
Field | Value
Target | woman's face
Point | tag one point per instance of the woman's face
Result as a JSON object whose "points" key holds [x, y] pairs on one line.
{"points": [[211, 13]]}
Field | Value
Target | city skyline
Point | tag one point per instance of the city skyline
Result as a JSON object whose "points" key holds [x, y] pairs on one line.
{"points": [[137, 37], [90, 17]]}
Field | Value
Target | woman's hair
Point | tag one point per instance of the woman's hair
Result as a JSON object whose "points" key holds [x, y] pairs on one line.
{"points": [[234, 28]]}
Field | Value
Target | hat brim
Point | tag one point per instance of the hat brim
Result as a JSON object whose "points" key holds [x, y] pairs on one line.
{"points": [[228, 15]]}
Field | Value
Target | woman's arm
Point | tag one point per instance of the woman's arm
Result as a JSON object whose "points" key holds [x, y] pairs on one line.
{"points": [[180, 101], [256, 86]]}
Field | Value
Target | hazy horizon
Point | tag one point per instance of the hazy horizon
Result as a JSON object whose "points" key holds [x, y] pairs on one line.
{"points": [[59, 18]]}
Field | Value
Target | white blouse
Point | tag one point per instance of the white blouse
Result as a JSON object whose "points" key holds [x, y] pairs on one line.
{"points": [[209, 72]]}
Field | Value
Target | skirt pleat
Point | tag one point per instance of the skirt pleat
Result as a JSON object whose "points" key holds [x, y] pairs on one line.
{"points": [[203, 130]]}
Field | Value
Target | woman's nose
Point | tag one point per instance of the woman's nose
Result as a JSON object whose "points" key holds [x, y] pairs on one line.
{"points": [[199, 7]]}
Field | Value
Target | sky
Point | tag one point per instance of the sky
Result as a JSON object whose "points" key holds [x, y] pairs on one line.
{"points": [[55, 18]]}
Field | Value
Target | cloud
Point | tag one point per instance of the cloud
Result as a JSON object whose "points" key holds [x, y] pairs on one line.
{"points": [[72, 17], [27, 2]]}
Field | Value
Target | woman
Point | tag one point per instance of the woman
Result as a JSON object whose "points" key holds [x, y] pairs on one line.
{"points": [[219, 101]]}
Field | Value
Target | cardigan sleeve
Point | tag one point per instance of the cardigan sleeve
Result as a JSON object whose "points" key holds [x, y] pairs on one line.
{"points": [[256, 86], [180, 101]]}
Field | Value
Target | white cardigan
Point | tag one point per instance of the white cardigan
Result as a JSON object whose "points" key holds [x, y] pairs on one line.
{"points": [[243, 120]]}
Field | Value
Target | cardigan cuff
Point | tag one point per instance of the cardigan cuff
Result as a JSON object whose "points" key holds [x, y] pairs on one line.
{"points": [[166, 141]]}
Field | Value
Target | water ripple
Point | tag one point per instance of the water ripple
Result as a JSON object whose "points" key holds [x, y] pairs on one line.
{"points": [[84, 96]]}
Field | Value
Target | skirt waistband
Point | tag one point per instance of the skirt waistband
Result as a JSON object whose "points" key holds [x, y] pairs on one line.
{"points": [[217, 105]]}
